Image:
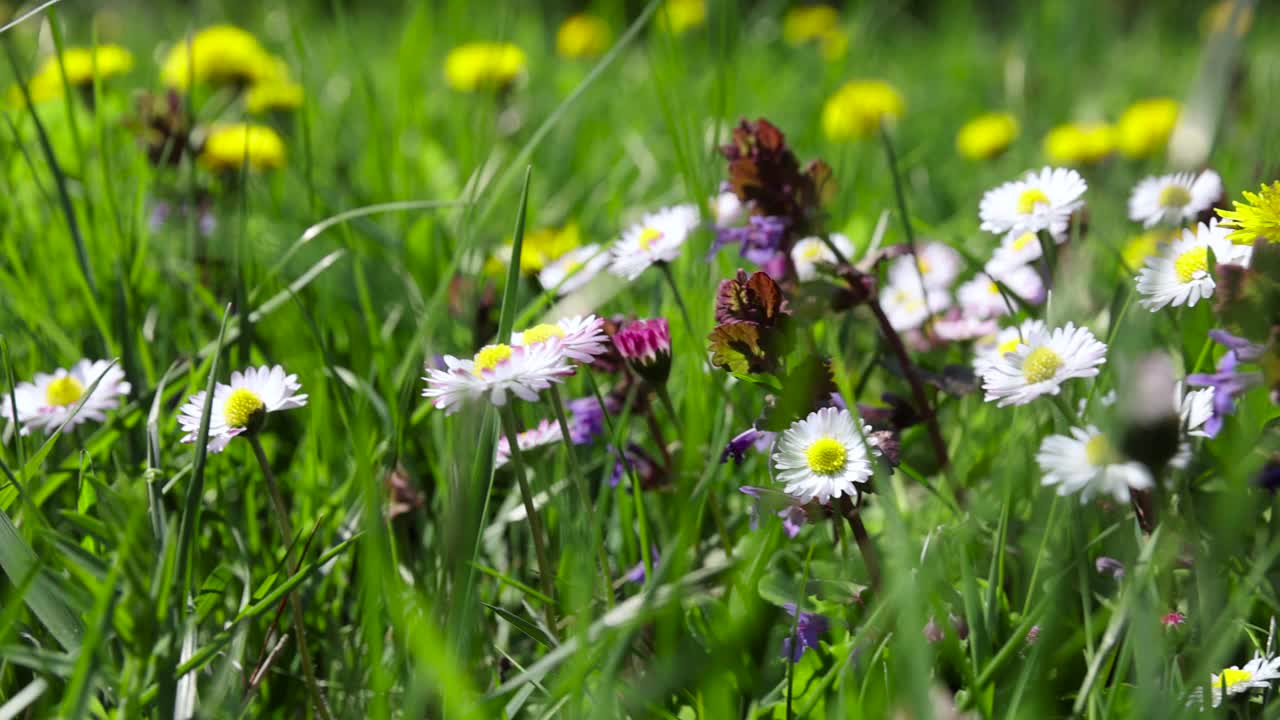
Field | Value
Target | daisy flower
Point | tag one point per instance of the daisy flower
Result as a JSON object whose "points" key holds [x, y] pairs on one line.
{"points": [[1004, 342], [242, 405], [574, 269], [495, 372], [958, 325], [981, 297], [907, 308], [727, 209], [50, 400], [1017, 249], [1173, 199], [1179, 275], [936, 263], [579, 338], [812, 253], [1041, 200], [545, 432], [646, 346], [656, 238], [1195, 407], [822, 457], [1257, 673], [1085, 462], [1257, 217], [1040, 363]]}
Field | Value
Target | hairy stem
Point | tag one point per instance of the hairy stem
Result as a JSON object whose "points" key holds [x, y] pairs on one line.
{"points": [[545, 577]]}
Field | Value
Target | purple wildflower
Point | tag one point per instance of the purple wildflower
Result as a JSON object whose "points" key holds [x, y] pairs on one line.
{"points": [[1228, 382], [636, 573], [809, 626], [793, 516], [933, 632], [744, 441], [759, 240], [1109, 566], [586, 421]]}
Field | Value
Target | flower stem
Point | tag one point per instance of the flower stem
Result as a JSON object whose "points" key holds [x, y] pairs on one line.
{"points": [[869, 556], [675, 291], [665, 398], [295, 603], [891, 158], [917, 388], [535, 520]]}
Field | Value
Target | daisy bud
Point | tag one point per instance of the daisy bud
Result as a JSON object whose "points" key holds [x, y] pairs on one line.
{"points": [[933, 632], [646, 346]]}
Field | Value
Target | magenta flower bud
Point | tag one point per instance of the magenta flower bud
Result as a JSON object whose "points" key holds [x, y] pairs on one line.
{"points": [[646, 346]]}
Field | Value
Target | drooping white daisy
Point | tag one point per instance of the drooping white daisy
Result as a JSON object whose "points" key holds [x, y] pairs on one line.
{"points": [[495, 371], [574, 269], [1017, 250], [1006, 341], [1179, 274], [1085, 462], [822, 457], [1173, 199], [1195, 407], [981, 297], [1038, 201], [49, 399], [658, 237], [1040, 363], [580, 338], [907, 308], [935, 263], [241, 405], [812, 253], [545, 432], [1257, 673]]}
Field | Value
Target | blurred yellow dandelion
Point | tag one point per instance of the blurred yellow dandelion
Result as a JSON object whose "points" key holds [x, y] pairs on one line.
{"points": [[1140, 247], [273, 95], [1145, 126], [219, 55], [79, 64], [583, 36], [857, 109], [1079, 143], [1257, 217], [808, 23], [483, 66], [228, 147], [987, 135], [678, 16]]}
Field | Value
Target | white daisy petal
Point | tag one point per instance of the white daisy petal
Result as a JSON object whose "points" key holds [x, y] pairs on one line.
{"points": [[522, 370], [1179, 274], [574, 269], [1173, 199], [49, 400], [1085, 462], [658, 237], [935, 263], [545, 432], [981, 296], [812, 254], [239, 404], [822, 457], [1041, 200], [1039, 364]]}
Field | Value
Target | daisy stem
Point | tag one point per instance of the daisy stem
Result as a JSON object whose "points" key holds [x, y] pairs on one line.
{"points": [[665, 398], [584, 494], [917, 388], [891, 158], [684, 311], [295, 603], [535, 519], [865, 546], [1048, 257]]}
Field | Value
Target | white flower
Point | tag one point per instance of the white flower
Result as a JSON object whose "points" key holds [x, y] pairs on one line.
{"points": [[658, 237], [241, 405], [1179, 274], [907, 308], [49, 400], [811, 253], [1195, 407], [981, 296], [495, 371], [1041, 200], [727, 210], [1257, 673], [1017, 250], [1173, 199], [1085, 462], [822, 457], [545, 432], [580, 338], [574, 269], [959, 325], [936, 263], [1006, 341], [1040, 363]]}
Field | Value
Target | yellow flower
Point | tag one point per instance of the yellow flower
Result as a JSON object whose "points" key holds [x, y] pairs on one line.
{"points": [[273, 95], [582, 36], [1145, 127], [987, 135], [1079, 143], [808, 23], [857, 109], [1141, 247], [219, 55], [228, 146], [1257, 217], [677, 16], [834, 44], [1218, 16], [540, 248], [79, 64], [483, 66]]}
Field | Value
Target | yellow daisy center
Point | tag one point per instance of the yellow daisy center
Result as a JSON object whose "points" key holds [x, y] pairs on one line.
{"points": [[1029, 199], [1007, 347], [572, 267], [490, 357], [1191, 262], [1023, 240], [923, 265], [811, 251], [647, 236], [64, 391], [826, 456], [992, 288], [1041, 364], [1232, 676], [241, 407], [1098, 450], [1174, 196], [541, 333]]}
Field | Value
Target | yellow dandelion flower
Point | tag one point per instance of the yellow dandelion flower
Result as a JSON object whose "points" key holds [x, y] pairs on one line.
{"points": [[1145, 126], [834, 44], [219, 55], [1141, 247], [544, 246], [228, 146], [678, 16], [987, 135], [808, 23], [1079, 143], [79, 64], [583, 36], [1257, 217], [273, 95], [483, 66], [857, 109]]}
